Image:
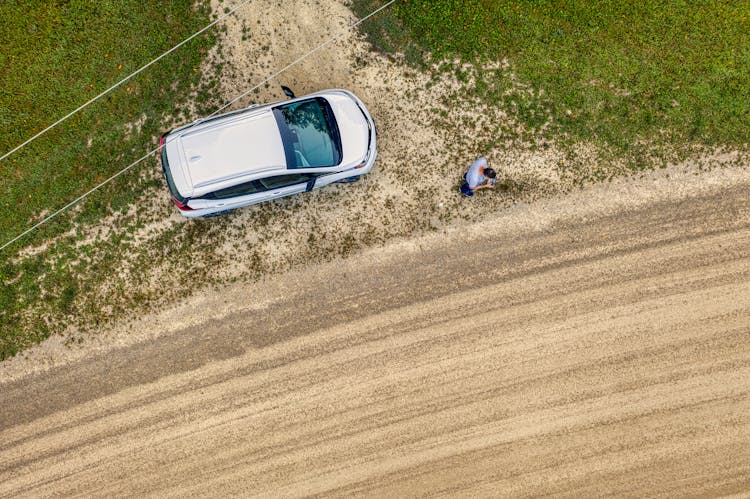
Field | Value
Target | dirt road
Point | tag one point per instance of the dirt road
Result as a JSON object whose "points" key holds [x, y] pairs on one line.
{"points": [[600, 355]]}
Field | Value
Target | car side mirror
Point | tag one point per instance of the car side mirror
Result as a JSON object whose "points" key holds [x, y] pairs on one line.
{"points": [[288, 92]]}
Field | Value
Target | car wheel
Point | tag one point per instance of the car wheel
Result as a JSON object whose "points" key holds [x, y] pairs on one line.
{"points": [[348, 180], [218, 213]]}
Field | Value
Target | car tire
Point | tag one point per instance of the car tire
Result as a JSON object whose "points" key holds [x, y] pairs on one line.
{"points": [[218, 213], [348, 180]]}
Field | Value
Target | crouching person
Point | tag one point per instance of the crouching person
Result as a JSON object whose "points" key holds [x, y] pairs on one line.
{"points": [[479, 176]]}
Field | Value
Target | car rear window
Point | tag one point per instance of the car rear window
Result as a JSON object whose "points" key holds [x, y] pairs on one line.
{"points": [[168, 175], [309, 133]]}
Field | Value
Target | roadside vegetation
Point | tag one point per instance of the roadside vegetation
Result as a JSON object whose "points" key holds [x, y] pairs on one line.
{"points": [[54, 57], [642, 79]]}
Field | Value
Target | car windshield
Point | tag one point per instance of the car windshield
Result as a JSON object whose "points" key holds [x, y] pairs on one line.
{"points": [[309, 133]]}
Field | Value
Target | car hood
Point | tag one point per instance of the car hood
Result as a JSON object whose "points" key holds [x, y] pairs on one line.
{"points": [[353, 127]]}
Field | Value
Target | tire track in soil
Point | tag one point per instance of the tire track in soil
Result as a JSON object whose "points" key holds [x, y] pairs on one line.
{"points": [[598, 356]]}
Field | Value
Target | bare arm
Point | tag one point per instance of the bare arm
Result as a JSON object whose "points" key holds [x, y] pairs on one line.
{"points": [[486, 185]]}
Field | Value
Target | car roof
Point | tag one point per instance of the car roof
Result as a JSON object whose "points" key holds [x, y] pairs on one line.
{"points": [[228, 148]]}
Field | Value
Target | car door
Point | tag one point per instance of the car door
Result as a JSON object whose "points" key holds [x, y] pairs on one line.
{"points": [[256, 191], [233, 197], [285, 185], [334, 177]]}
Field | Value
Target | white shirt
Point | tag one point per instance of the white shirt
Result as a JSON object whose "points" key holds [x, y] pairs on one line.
{"points": [[473, 177]]}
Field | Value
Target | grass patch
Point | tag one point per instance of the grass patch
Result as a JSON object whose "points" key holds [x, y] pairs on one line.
{"points": [[614, 73], [56, 56]]}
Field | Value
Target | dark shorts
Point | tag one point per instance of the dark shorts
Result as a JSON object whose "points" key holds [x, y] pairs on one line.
{"points": [[466, 190]]}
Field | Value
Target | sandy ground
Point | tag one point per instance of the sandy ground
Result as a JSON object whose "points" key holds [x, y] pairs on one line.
{"points": [[588, 355], [586, 343]]}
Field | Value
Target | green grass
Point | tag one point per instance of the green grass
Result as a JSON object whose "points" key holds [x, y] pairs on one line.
{"points": [[54, 56], [616, 73], [57, 55]]}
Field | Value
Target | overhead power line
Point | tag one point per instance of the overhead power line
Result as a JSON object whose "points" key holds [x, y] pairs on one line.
{"points": [[131, 75], [306, 55], [76, 200], [148, 154]]}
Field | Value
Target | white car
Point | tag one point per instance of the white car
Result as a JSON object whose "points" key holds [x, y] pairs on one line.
{"points": [[264, 152]]}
